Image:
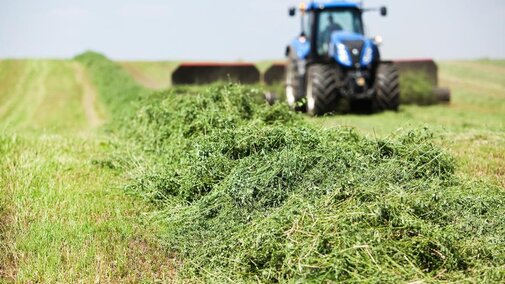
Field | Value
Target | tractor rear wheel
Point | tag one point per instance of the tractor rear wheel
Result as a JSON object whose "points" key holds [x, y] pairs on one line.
{"points": [[387, 84], [323, 88]]}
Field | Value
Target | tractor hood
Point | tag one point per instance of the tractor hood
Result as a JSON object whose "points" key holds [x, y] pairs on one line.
{"points": [[351, 49]]}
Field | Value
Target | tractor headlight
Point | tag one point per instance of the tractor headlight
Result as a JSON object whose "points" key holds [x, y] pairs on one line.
{"points": [[367, 56], [343, 55]]}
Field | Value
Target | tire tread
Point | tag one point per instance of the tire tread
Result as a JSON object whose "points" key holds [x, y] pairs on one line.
{"points": [[387, 87]]}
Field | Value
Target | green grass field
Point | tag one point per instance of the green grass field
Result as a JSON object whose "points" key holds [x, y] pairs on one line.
{"points": [[64, 217], [75, 135], [153, 75]]}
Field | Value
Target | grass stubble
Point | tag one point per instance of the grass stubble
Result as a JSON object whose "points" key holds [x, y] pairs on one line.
{"points": [[63, 215]]}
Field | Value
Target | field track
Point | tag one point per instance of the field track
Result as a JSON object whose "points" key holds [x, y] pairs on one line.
{"points": [[89, 97]]}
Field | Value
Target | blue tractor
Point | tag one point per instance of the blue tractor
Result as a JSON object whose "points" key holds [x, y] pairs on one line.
{"points": [[332, 63]]}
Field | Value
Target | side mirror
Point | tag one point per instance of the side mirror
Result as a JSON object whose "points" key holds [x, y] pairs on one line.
{"points": [[384, 11], [292, 11]]}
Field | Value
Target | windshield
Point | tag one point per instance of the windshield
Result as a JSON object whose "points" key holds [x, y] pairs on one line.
{"points": [[336, 20]]}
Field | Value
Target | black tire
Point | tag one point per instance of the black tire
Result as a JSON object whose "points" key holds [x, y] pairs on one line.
{"points": [[294, 84], [323, 88], [443, 95], [387, 84]]}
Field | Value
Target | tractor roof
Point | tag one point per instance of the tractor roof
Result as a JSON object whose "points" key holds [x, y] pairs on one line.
{"points": [[330, 5]]}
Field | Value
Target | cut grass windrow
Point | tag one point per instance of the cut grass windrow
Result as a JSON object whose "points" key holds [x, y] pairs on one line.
{"points": [[254, 193]]}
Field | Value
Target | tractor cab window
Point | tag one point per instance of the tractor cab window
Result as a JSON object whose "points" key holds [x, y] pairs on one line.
{"points": [[336, 20], [307, 22]]}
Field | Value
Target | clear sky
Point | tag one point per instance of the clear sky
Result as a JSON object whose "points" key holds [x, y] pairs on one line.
{"points": [[237, 29]]}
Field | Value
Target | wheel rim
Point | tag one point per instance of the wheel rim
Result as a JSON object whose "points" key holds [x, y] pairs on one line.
{"points": [[290, 96], [310, 97], [290, 92]]}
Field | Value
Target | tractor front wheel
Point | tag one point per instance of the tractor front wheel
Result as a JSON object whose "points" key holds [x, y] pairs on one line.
{"points": [[323, 88]]}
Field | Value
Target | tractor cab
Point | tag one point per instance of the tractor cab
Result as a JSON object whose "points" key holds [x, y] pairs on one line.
{"points": [[335, 30], [337, 23], [332, 60]]}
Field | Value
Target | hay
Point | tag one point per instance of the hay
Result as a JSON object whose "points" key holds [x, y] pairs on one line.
{"points": [[253, 193]]}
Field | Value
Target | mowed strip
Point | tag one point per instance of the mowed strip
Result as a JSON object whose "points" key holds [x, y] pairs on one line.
{"points": [[40, 94], [63, 216], [16, 79]]}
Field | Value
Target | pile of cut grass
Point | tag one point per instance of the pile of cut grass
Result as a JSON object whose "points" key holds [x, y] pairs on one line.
{"points": [[253, 193]]}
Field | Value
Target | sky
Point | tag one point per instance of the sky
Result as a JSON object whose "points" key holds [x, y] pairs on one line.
{"points": [[237, 29]]}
